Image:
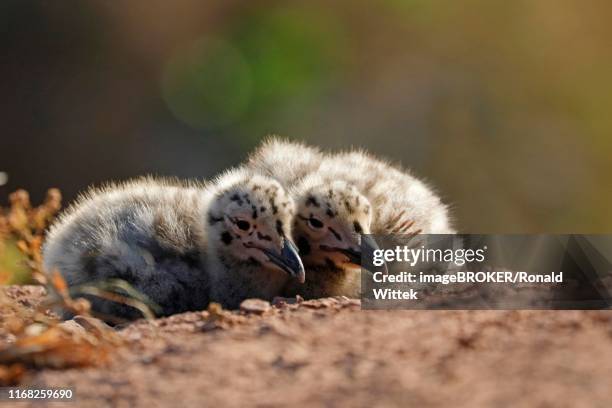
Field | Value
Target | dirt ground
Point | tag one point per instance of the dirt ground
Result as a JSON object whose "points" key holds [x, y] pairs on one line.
{"points": [[329, 352]]}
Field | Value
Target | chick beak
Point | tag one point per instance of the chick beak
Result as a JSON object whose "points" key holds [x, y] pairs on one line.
{"points": [[364, 256], [289, 260], [368, 246]]}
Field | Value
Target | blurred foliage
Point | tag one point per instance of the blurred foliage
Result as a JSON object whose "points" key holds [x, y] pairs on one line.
{"points": [[13, 267], [209, 85], [264, 63], [292, 54], [22, 228], [503, 106]]}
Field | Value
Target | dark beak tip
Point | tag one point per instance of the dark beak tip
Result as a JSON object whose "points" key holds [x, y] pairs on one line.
{"points": [[301, 277], [291, 257], [369, 245], [385, 270], [299, 272]]}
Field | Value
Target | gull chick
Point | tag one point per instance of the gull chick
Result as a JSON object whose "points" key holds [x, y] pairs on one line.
{"points": [[331, 220], [181, 245], [339, 198], [250, 250]]}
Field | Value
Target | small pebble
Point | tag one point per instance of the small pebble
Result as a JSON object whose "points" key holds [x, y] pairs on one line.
{"points": [[257, 306]]}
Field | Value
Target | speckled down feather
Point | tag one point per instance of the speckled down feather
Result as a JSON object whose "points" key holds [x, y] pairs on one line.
{"points": [[162, 237], [350, 193]]}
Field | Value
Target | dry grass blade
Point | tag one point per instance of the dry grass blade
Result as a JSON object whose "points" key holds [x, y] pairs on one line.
{"points": [[61, 296], [117, 298]]}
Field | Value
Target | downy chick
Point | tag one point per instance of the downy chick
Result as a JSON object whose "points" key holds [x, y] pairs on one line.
{"points": [[330, 221], [357, 194], [182, 245]]}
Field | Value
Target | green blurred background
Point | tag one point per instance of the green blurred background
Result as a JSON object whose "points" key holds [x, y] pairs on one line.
{"points": [[503, 106]]}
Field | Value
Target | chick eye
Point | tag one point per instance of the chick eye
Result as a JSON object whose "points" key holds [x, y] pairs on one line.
{"points": [[243, 225], [315, 223]]}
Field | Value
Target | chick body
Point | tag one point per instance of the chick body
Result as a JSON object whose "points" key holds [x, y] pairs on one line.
{"points": [[168, 240], [348, 194]]}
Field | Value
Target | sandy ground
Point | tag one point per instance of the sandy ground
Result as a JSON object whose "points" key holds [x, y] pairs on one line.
{"points": [[331, 353]]}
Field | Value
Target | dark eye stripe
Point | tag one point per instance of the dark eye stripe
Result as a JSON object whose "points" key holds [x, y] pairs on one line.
{"points": [[264, 237], [333, 231]]}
